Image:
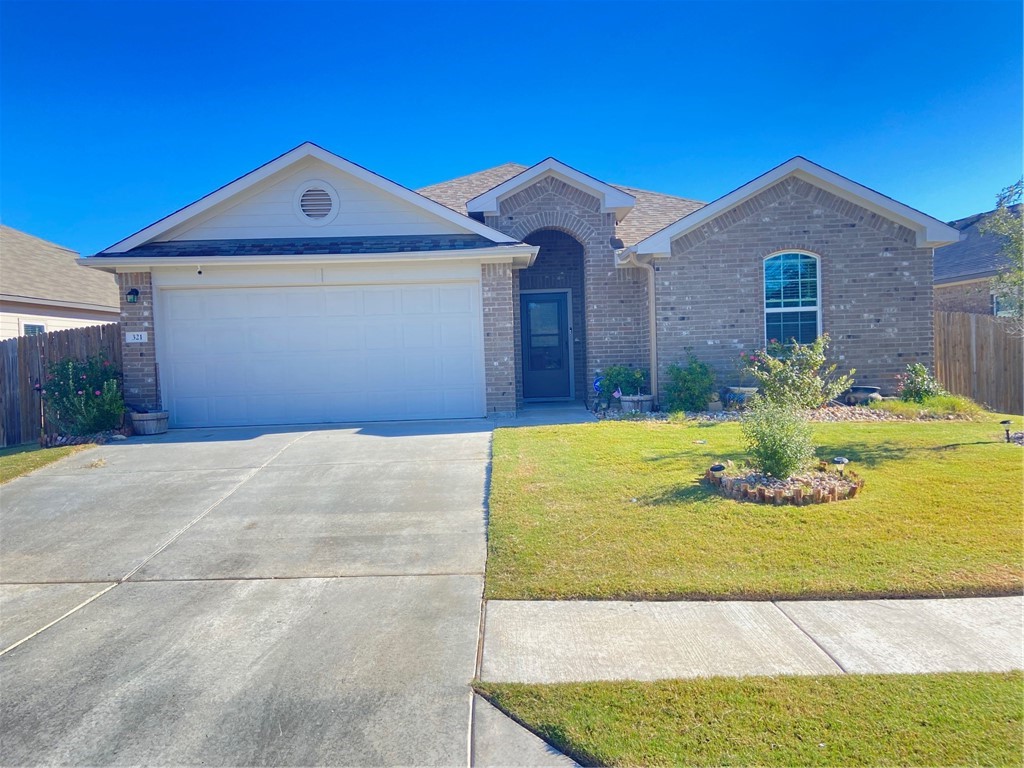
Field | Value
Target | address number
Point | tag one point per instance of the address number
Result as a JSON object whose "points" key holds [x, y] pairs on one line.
{"points": [[137, 337]]}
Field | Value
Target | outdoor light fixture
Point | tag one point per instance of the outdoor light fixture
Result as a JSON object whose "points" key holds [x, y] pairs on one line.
{"points": [[1006, 425], [132, 297], [717, 470], [840, 462]]}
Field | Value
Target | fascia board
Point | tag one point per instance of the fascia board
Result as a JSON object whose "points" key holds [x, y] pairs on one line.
{"points": [[612, 198], [286, 160], [930, 232], [504, 255]]}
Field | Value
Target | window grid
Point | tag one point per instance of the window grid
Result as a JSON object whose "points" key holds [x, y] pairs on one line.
{"points": [[791, 298]]}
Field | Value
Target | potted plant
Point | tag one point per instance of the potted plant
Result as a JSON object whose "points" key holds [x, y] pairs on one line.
{"points": [[146, 422], [626, 385]]}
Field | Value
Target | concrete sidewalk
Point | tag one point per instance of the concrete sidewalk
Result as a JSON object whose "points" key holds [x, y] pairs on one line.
{"points": [[568, 641]]}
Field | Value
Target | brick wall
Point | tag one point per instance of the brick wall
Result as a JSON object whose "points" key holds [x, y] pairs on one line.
{"points": [[876, 285], [499, 360], [974, 297], [615, 299], [141, 385]]}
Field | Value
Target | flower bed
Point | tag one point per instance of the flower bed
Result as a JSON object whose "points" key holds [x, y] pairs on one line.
{"points": [[816, 487]]}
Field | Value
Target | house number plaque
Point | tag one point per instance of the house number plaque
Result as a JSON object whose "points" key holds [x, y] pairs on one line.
{"points": [[136, 337]]}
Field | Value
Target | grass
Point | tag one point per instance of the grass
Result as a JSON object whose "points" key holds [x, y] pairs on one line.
{"points": [[877, 720], [937, 407], [615, 510], [21, 459]]}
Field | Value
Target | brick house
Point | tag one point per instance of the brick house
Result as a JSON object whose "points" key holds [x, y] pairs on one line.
{"points": [[964, 269], [313, 290]]}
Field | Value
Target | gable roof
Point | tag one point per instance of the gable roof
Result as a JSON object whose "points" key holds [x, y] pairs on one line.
{"points": [[931, 232], [33, 269], [612, 198], [290, 158], [978, 254], [651, 211]]}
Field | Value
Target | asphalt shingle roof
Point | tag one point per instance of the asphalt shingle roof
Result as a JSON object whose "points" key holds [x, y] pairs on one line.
{"points": [[653, 210], [977, 255], [307, 246], [33, 268]]}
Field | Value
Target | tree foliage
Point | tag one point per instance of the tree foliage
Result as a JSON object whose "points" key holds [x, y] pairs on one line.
{"points": [[1008, 285]]}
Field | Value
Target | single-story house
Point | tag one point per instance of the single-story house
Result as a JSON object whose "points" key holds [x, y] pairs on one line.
{"points": [[314, 290], [964, 270], [43, 289]]}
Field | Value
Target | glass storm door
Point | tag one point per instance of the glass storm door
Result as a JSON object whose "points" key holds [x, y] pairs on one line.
{"points": [[547, 346]]}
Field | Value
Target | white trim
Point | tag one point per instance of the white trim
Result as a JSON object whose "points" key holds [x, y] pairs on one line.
{"points": [[308, 149], [8, 297], [931, 233], [520, 256], [612, 198], [765, 309]]}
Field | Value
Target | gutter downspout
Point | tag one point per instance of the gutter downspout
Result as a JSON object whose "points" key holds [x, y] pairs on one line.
{"points": [[630, 258]]}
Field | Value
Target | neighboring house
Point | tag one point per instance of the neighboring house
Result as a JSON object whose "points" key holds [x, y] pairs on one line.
{"points": [[43, 289], [313, 290], [964, 270]]}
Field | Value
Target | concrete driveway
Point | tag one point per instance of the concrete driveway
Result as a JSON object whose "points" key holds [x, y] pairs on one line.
{"points": [[246, 597]]}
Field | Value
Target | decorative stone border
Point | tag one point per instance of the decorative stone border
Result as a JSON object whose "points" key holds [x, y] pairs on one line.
{"points": [[820, 487]]}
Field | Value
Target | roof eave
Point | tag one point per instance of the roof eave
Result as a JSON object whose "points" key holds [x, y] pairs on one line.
{"points": [[519, 256], [929, 232]]}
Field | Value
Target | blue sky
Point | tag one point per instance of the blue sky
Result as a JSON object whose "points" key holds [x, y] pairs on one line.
{"points": [[116, 114]]}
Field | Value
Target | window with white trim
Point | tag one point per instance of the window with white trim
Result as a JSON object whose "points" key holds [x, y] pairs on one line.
{"points": [[33, 330], [792, 308]]}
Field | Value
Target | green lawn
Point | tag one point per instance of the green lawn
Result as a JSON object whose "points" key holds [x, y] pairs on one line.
{"points": [[615, 510], [911, 720], [21, 459]]}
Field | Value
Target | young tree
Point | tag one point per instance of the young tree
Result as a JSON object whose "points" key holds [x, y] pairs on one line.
{"points": [[1008, 285]]}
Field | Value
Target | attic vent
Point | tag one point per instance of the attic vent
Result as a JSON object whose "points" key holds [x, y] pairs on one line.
{"points": [[316, 203]]}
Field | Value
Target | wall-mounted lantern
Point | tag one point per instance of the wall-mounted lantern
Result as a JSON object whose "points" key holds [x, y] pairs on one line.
{"points": [[132, 297]]}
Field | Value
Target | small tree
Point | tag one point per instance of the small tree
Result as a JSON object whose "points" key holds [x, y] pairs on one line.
{"points": [[1008, 285]]}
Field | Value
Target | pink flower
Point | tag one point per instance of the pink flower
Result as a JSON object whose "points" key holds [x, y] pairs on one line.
{"points": [[97, 393], [83, 377], [105, 363], [80, 392]]}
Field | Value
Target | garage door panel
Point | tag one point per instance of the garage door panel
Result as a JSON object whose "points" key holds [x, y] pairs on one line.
{"points": [[321, 353]]}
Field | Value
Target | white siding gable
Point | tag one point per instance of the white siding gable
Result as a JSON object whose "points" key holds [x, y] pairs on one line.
{"points": [[268, 210]]}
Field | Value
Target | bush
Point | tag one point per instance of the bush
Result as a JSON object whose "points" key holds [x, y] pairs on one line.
{"points": [[83, 397], [778, 437], [689, 388], [795, 374], [628, 381], [917, 384]]}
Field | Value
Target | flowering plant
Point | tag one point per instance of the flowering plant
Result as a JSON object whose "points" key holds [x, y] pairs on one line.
{"points": [[796, 374], [82, 397], [917, 384]]}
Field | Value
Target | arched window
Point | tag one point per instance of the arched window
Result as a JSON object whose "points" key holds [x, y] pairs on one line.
{"points": [[792, 305]]}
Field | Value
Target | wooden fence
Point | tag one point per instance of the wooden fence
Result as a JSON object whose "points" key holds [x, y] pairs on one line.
{"points": [[977, 356], [23, 364]]}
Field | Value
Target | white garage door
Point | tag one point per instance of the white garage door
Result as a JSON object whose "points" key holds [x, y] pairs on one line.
{"points": [[294, 355]]}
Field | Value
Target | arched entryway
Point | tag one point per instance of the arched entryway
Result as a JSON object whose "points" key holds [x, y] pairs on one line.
{"points": [[552, 330]]}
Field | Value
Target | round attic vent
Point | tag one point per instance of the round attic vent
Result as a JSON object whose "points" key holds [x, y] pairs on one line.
{"points": [[316, 203]]}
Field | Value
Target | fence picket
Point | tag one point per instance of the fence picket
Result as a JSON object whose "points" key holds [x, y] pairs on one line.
{"points": [[977, 356]]}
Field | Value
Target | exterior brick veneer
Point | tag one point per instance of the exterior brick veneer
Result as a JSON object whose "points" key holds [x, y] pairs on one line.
{"points": [[876, 284], [499, 360], [616, 299], [141, 384], [974, 297]]}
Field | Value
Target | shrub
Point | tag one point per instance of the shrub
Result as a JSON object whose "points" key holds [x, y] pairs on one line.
{"points": [[778, 437], [917, 384], [689, 388], [796, 374], [629, 381], [83, 397]]}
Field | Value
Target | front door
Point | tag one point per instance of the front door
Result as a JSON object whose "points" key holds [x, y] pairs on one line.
{"points": [[547, 345]]}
